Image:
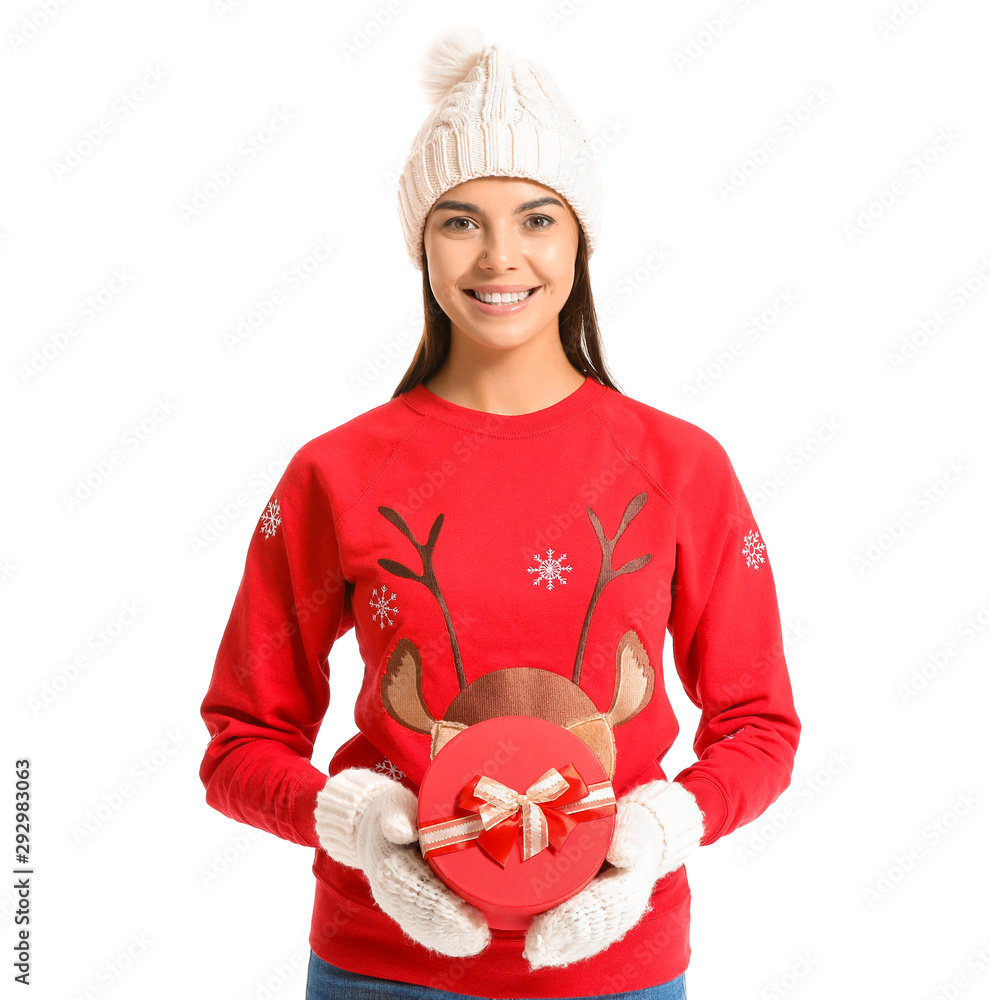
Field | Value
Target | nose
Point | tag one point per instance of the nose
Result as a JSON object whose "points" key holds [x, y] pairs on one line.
{"points": [[501, 245]]}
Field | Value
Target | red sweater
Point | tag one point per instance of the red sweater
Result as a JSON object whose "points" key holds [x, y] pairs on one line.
{"points": [[505, 510]]}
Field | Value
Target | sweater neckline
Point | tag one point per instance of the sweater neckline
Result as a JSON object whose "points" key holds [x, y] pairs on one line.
{"points": [[427, 402]]}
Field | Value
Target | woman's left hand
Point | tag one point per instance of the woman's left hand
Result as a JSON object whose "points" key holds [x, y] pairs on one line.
{"points": [[657, 825]]}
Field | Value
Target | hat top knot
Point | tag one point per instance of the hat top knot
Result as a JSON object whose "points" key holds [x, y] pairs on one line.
{"points": [[449, 59]]}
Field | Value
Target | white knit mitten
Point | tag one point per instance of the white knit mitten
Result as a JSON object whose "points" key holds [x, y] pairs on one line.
{"points": [[657, 826], [363, 819]]}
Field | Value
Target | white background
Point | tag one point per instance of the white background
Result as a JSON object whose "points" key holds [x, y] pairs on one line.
{"points": [[781, 907]]}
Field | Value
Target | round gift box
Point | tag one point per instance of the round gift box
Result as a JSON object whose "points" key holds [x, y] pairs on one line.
{"points": [[515, 751]]}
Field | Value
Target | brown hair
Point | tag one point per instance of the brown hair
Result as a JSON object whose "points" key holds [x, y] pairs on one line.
{"points": [[579, 334]]}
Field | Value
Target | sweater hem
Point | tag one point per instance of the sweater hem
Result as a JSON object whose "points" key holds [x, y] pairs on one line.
{"points": [[348, 933]]}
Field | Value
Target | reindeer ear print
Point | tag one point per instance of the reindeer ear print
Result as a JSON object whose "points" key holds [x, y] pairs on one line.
{"points": [[596, 732], [442, 732], [397, 568]]}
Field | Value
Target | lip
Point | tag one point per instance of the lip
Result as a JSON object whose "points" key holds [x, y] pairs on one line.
{"points": [[509, 308]]}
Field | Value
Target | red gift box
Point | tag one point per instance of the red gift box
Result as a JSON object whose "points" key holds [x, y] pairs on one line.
{"points": [[516, 815]]}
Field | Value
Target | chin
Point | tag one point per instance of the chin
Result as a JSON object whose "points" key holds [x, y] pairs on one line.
{"points": [[500, 338]]}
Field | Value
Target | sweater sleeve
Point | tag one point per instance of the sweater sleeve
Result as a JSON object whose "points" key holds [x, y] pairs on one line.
{"points": [[270, 687], [728, 650]]}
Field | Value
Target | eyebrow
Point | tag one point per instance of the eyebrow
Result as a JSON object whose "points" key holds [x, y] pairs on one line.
{"points": [[466, 206]]}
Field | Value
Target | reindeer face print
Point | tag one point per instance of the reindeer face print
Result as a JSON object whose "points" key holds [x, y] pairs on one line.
{"points": [[515, 690]]}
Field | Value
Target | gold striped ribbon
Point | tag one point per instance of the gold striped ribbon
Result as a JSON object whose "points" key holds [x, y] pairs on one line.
{"points": [[492, 814]]}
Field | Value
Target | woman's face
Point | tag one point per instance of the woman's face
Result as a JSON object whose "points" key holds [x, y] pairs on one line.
{"points": [[530, 236]]}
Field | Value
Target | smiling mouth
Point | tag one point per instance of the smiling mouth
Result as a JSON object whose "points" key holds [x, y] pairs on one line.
{"points": [[500, 298]]}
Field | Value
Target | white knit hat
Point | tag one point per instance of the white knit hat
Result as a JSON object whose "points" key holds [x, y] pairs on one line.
{"points": [[495, 115]]}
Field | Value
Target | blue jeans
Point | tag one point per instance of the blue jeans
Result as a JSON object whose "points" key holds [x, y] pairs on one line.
{"points": [[327, 982]]}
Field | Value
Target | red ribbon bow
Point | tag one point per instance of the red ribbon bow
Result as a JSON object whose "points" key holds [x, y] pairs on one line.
{"points": [[535, 811], [541, 812]]}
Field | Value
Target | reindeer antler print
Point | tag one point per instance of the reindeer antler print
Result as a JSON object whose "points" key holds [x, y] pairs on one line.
{"points": [[540, 691], [606, 574], [428, 578]]}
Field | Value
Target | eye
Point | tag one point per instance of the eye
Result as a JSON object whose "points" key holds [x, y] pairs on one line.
{"points": [[546, 218], [458, 218]]}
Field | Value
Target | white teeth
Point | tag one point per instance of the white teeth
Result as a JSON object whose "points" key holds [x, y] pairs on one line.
{"points": [[501, 298]]}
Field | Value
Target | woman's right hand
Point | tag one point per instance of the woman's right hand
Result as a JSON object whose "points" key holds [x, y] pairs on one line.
{"points": [[365, 820]]}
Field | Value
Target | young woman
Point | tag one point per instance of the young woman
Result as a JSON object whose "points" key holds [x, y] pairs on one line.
{"points": [[508, 535]]}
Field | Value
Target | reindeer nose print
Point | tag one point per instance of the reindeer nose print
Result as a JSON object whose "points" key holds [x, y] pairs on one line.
{"points": [[549, 569]]}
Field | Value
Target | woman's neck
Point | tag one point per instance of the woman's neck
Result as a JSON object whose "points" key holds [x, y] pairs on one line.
{"points": [[503, 392]]}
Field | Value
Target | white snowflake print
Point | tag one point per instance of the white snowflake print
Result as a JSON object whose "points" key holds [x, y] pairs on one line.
{"points": [[271, 518], [549, 569], [383, 607], [388, 768], [753, 549]]}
